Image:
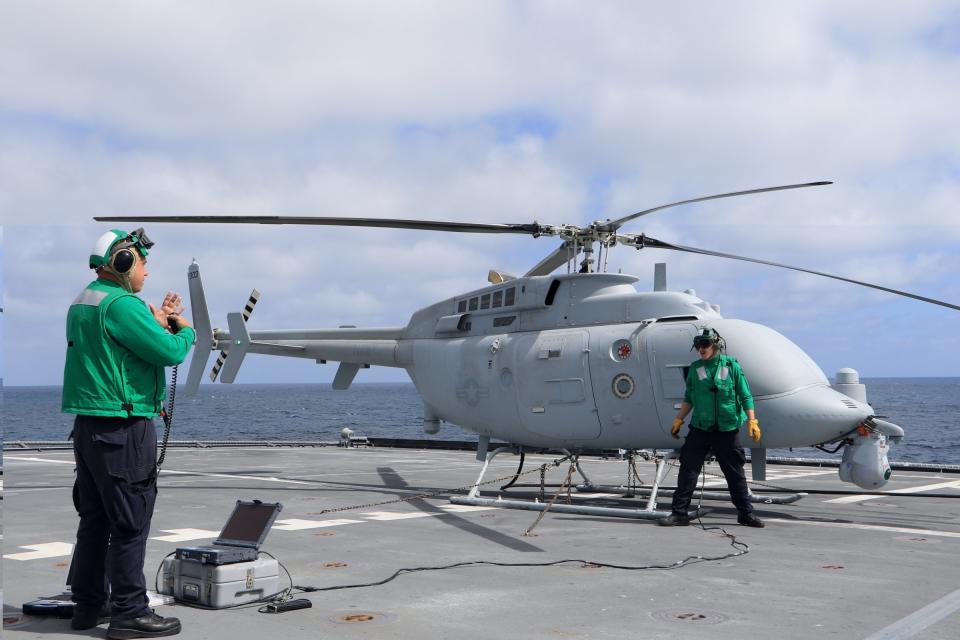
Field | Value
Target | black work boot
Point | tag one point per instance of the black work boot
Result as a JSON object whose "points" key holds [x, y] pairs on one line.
{"points": [[149, 625], [750, 520], [89, 617], [675, 519]]}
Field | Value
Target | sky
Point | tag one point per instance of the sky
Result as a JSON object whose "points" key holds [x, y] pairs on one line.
{"points": [[559, 112]]}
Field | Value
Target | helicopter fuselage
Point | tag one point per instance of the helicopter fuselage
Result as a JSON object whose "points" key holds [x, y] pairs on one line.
{"points": [[579, 361], [586, 361]]}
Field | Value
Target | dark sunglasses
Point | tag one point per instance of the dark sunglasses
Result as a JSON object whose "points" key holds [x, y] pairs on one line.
{"points": [[702, 343]]}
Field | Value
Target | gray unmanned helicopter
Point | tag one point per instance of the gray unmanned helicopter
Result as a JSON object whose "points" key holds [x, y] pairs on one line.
{"points": [[571, 362]]}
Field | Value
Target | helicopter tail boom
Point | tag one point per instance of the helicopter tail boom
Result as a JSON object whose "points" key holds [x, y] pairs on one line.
{"points": [[353, 347]]}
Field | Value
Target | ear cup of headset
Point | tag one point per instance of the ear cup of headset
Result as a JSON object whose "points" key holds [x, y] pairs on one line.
{"points": [[123, 261]]}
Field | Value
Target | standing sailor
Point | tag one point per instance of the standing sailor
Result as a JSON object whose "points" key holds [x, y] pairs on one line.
{"points": [[117, 348], [719, 395]]}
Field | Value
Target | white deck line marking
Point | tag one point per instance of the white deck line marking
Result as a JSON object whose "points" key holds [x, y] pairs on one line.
{"points": [[869, 527], [234, 477], [919, 620], [775, 477], [463, 508], [953, 484], [174, 472], [295, 524], [157, 599], [180, 535], [32, 459], [47, 550], [783, 475], [394, 515]]}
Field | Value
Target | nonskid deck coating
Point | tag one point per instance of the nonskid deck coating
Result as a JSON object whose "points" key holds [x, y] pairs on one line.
{"points": [[820, 568]]}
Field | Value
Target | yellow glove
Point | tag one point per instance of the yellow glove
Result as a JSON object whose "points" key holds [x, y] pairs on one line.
{"points": [[753, 429], [675, 429]]}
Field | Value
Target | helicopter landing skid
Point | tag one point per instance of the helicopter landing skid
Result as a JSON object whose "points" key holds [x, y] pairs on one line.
{"points": [[706, 495], [655, 490], [648, 513], [580, 509]]}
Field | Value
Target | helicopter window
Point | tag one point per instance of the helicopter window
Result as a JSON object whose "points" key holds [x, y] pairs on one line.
{"points": [[485, 301], [510, 296], [497, 299], [504, 321], [473, 303], [461, 306], [552, 292]]}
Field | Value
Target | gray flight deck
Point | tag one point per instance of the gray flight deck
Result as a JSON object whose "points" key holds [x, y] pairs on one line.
{"points": [[866, 566]]}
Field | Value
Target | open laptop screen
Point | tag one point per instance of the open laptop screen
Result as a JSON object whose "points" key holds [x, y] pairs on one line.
{"points": [[249, 523]]}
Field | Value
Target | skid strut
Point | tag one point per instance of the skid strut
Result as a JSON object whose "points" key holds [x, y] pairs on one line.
{"points": [[649, 513], [655, 491]]}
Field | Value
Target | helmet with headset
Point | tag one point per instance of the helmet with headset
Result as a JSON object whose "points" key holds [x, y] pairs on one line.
{"points": [[117, 250], [707, 337]]}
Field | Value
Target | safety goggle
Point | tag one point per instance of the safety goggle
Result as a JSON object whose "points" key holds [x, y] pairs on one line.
{"points": [[137, 238], [701, 342]]}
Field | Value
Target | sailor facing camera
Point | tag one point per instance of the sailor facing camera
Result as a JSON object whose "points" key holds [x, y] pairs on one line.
{"points": [[113, 380], [718, 393]]}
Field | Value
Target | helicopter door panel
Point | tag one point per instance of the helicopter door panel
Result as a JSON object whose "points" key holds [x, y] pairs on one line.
{"points": [[622, 386], [554, 392], [669, 345]]}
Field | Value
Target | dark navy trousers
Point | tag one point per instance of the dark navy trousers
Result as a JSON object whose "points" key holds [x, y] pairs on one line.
{"points": [[731, 458], [116, 467]]}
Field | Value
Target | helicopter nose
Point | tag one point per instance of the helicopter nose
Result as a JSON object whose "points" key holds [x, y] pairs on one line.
{"points": [[809, 415]]}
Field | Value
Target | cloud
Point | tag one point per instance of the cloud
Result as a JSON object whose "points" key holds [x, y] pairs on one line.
{"points": [[494, 112]]}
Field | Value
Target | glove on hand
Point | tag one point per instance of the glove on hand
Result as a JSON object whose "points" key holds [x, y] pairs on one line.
{"points": [[753, 429], [675, 429]]}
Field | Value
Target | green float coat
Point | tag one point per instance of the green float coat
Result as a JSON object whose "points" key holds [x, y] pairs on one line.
{"points": [[725, 408], [116, 354]]}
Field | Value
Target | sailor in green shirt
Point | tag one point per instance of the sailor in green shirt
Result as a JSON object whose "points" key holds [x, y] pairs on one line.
{"points": [[113, 380], [718, 393]]}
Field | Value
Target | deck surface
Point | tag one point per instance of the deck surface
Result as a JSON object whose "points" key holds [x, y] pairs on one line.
{"points": [[831, 565]]}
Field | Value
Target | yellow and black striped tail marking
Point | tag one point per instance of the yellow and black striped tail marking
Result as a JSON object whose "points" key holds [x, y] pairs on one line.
{"points": [[247, 310]]}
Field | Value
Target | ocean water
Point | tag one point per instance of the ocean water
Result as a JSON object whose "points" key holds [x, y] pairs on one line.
{"points": [[927, 409]]}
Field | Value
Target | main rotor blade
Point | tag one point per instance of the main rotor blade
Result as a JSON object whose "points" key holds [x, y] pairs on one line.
{"points": [[393, 223], [558, 257], [619, 222], [646, 241]]}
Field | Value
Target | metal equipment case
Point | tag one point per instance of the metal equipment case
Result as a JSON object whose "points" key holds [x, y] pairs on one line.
{"points": [[219, 586]]}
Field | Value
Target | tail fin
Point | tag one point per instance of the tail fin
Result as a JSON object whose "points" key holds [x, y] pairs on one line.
{"points": [[239, 344], [201, 324]]}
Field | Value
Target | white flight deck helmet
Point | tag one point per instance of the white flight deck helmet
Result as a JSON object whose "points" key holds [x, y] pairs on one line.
{"points": [[117, 252]]}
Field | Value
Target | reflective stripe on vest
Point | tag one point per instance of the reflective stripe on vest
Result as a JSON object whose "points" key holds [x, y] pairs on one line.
{"points": [[91, 297]]}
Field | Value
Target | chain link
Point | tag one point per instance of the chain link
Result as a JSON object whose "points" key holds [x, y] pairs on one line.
{"points": [[564, 485], [543, 482]]}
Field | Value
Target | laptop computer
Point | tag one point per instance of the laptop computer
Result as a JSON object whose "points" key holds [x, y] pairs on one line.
{"points": [[241, 537]]}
